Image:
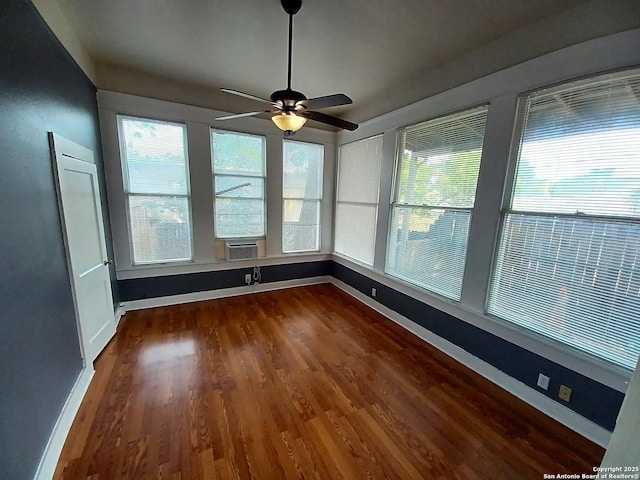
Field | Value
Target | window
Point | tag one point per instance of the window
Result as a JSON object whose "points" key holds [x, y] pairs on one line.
{"points": [[302, 196], [238, 181], [437, 171], [357, 199], [568, 259], [156, 184]]}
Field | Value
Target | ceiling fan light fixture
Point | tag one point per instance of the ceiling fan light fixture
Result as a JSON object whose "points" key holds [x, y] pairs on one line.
{"points": [[289, 121]]}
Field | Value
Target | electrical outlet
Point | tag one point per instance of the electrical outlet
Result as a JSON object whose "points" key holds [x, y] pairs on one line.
{"points": [[543, 381], [564, 393], [373, 292], [247, 278]]}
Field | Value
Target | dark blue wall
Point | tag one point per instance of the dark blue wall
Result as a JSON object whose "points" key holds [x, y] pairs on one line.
{"points": [[41, 90], [589, 398], [139, 288]]}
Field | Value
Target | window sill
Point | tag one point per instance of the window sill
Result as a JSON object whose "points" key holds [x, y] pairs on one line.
{"points": [[160, 270]]}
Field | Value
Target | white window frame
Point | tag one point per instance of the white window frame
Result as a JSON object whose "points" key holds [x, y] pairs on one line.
{"points": [[375, 203], [127, 194], [215, 175], [395, 204], [506, 210], [318, 200]]}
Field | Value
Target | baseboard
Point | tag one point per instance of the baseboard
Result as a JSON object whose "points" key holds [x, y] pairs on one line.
{"points": [[52, 451], [222, 293], [558, 412], [119, 313]]}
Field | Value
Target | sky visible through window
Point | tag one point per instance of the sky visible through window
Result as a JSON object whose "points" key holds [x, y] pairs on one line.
{"points": [[593, 173]]}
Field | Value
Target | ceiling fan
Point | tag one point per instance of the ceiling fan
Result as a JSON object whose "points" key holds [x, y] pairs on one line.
{"points": [[290, 108]]}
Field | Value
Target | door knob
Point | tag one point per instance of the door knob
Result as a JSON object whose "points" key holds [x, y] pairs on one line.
{"points": [[107, 262]]}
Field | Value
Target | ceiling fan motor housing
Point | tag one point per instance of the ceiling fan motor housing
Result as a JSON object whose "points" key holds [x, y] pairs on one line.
{"points": [[288, 98]]}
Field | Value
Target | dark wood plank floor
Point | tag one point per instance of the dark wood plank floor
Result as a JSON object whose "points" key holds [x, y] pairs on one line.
{"points": [[300, 383]]}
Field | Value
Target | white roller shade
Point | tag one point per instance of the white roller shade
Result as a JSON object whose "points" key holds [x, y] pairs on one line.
{"points": [[359, 166]]}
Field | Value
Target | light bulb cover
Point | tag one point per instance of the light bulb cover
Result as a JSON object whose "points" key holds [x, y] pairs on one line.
{"points": [[289, 121]]}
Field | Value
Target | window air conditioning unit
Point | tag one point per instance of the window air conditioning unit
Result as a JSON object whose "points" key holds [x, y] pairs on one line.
{"points": [[241, 250]]}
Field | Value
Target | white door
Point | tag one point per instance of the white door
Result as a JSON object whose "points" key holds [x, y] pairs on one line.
{"points": [[80, 209]]}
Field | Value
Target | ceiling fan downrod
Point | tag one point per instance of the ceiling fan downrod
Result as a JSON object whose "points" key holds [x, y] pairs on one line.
{"points": [[291, 7], [290, 51]]}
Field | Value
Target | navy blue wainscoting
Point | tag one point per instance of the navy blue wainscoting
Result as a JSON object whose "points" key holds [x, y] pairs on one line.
{"points": [[152, 287]]}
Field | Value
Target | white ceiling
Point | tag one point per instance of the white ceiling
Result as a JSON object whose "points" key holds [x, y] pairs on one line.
{"points": [[378, 52]]}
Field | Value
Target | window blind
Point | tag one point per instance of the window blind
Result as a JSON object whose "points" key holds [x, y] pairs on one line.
{"points": [[567, 260], [359, 166], [239, 166], [436, 176], [302, 196], [156, 183]]}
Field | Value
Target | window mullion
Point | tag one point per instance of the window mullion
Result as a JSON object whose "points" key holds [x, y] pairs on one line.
{"points": [[385, 196], [485, 220], [168, 195]]}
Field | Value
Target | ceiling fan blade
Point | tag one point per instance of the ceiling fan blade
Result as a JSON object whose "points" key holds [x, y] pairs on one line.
{"points": [[241, 115], [327, 101], [246, 95], [330, 120]]}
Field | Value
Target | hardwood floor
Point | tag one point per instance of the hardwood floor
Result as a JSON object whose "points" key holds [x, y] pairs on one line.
{"points": [[300, 383]]}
